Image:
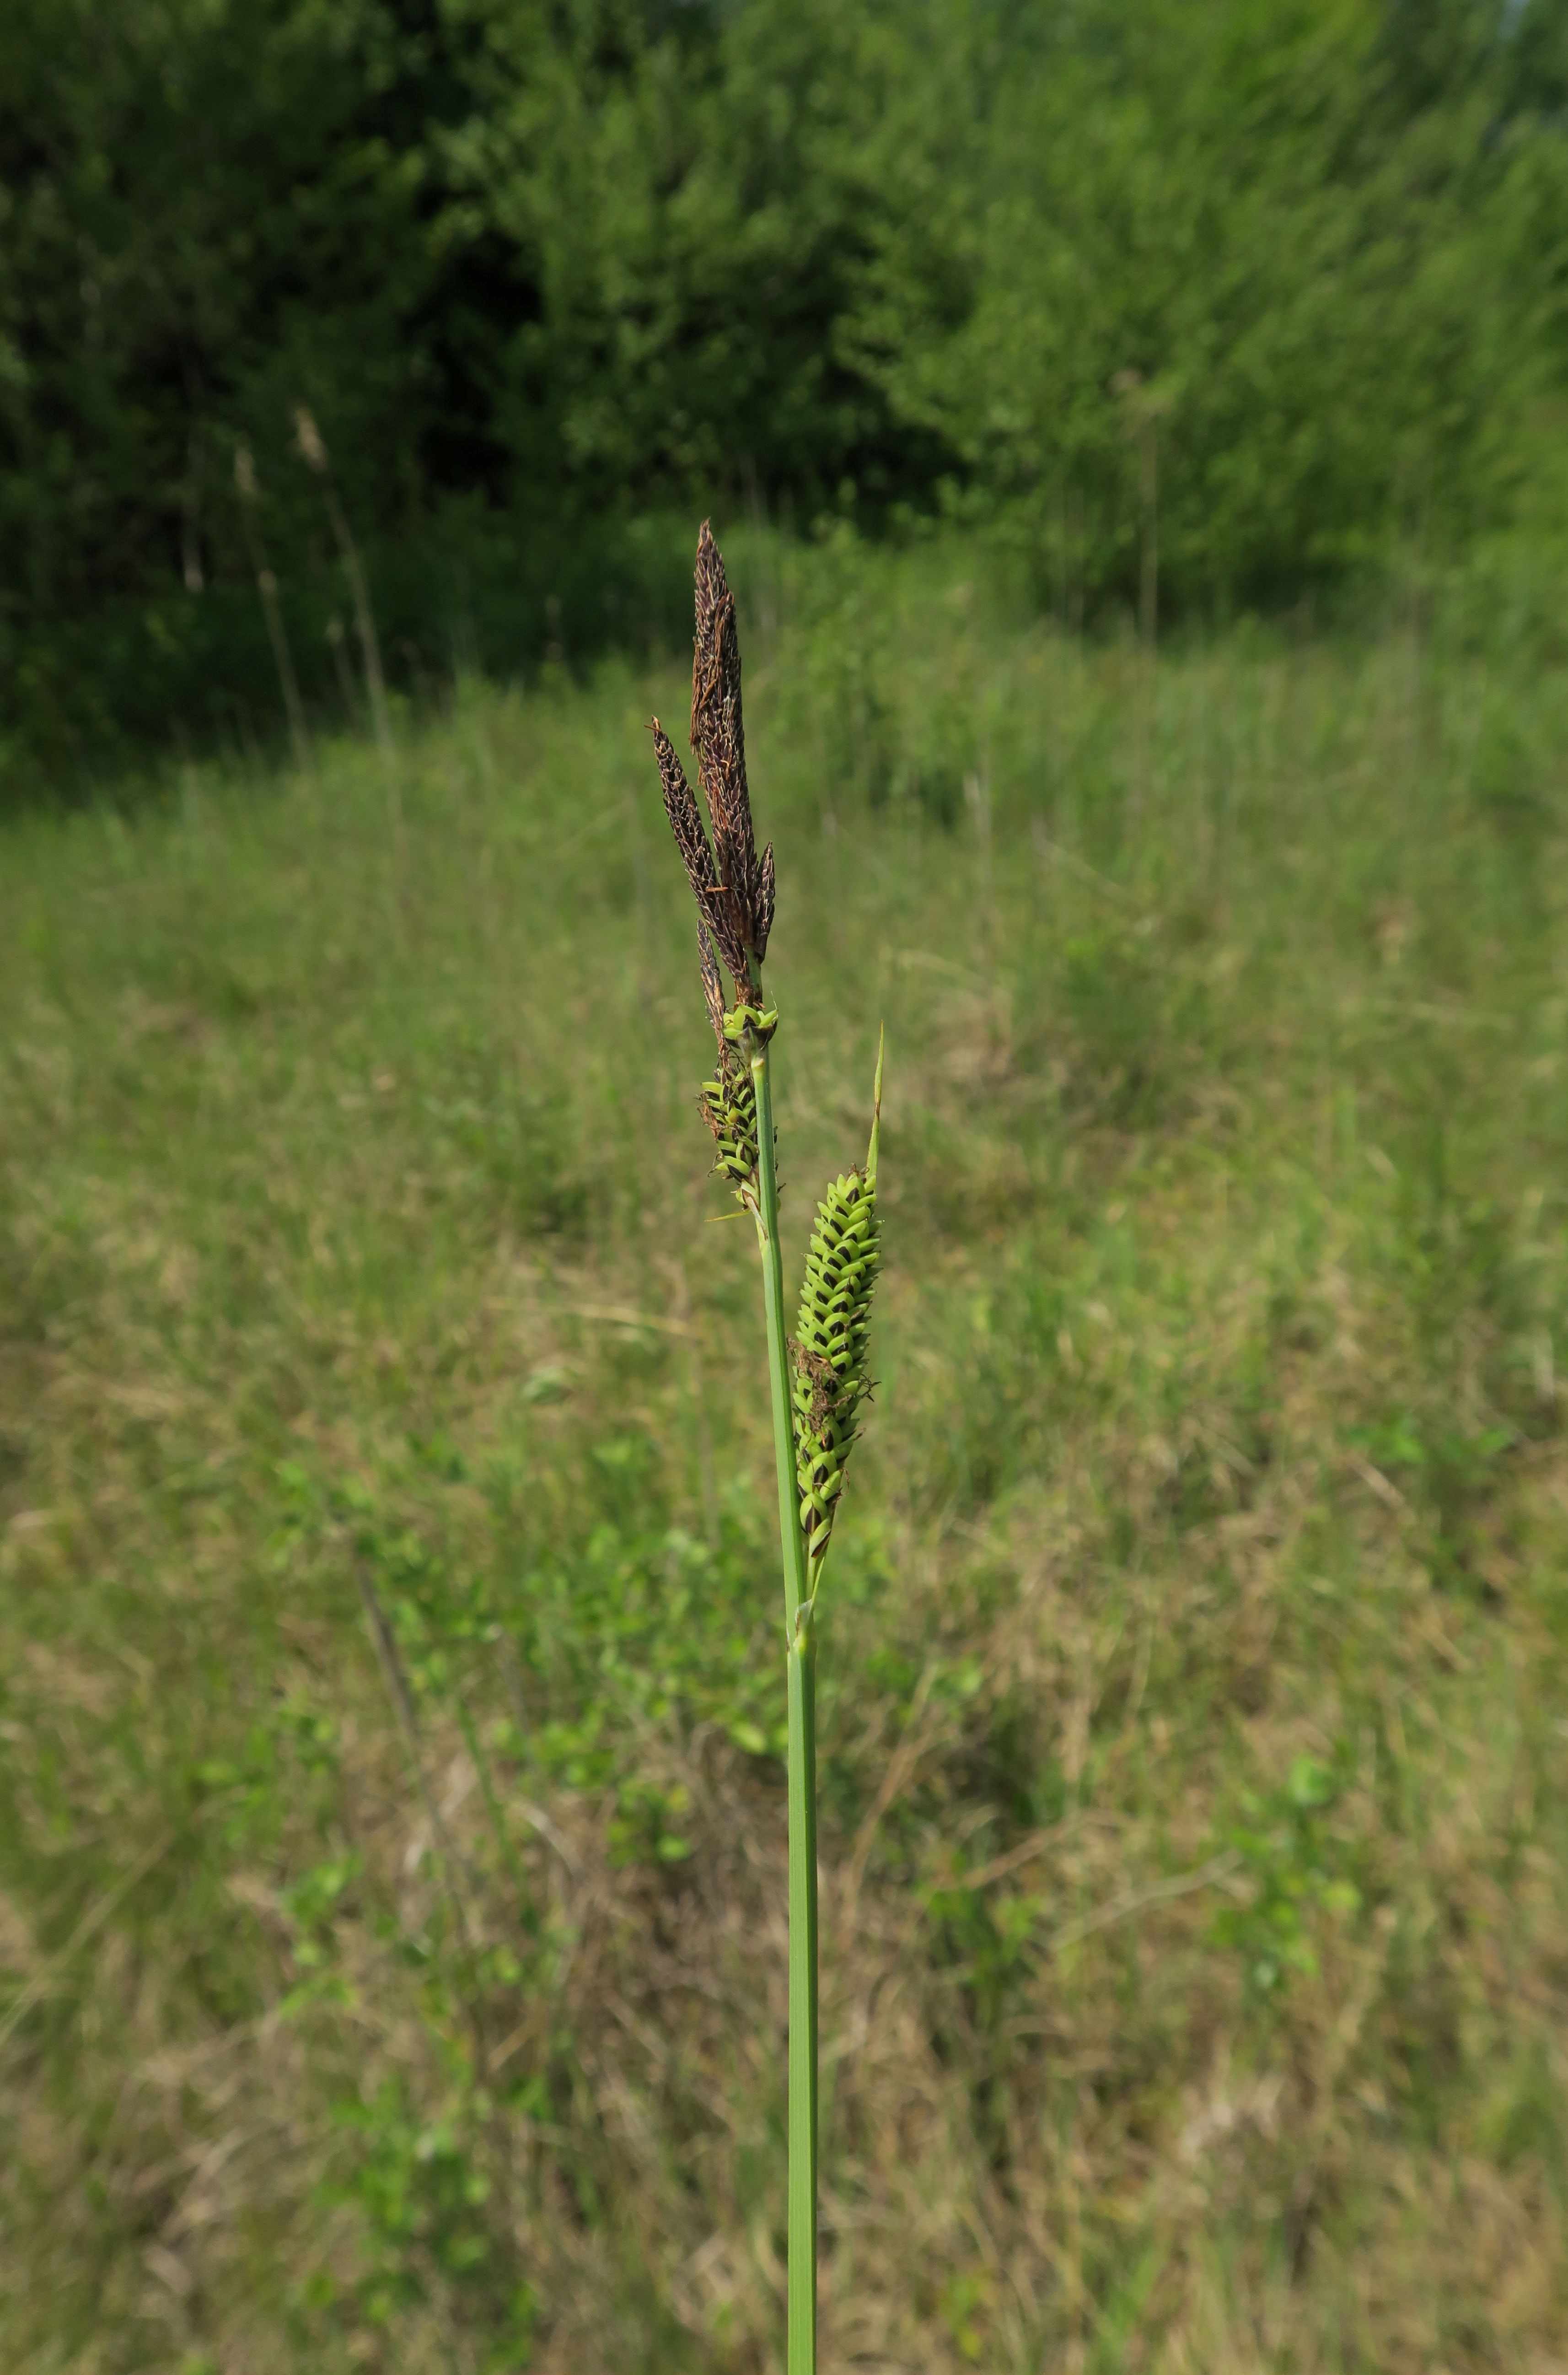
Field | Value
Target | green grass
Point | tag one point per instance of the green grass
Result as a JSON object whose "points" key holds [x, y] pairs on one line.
{"points": [[1194, 1813]]}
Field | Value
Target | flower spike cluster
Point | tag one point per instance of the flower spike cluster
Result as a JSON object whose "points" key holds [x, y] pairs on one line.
{"points": [[734, 890], [734, 887]]}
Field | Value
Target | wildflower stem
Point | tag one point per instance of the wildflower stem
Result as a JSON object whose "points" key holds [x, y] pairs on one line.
{"points": [[802, 2280], [801, 1662]]}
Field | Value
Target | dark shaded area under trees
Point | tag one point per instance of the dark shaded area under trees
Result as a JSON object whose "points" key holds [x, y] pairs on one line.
{"points": [[541, 267]]}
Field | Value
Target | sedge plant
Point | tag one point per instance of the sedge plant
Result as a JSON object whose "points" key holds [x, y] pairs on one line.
{"points": [[817, 1376]]}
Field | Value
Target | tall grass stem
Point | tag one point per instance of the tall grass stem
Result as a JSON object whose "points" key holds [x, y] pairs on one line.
{"points": [[801, 1662], [313, 448], [364, 618], [803, 2056], [249, 491]]}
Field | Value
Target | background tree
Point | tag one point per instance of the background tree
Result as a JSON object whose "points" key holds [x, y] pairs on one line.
{"points": [[536, 268]]}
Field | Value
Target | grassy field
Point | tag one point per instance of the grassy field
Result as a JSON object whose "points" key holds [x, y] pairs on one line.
{"points": [[391, 1703]]}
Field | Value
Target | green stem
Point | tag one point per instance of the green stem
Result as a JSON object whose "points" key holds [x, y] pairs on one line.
{"points": [[802, 1665], [801, 1662]]}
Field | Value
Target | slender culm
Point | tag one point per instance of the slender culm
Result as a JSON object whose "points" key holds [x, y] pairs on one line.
{"points": [[818, 1380]]}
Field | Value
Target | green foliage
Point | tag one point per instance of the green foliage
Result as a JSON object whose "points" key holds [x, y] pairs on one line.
{"points": [[1296, 1870], [1236, 244], [1300, 275], [433, 2240], [645, 1626], [623, 1625]]}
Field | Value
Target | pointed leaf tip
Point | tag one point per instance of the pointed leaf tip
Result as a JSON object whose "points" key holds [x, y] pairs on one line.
{"points": [[876, 1107]]}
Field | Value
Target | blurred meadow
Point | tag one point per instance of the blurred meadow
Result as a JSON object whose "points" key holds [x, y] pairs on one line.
{"points": [[391, 1851], [1137, 433]]}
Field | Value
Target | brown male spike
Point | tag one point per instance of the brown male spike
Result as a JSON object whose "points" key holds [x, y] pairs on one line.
{"points": [[685, 821], [718, 737], [762, 920], [717, 907], [713, 989]]}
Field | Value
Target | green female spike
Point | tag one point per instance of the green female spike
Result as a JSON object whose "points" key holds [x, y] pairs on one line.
{"points": [[831, 1338]]}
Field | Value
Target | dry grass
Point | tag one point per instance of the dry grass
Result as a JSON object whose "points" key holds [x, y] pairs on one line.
{"points": [[1220, 1430]]}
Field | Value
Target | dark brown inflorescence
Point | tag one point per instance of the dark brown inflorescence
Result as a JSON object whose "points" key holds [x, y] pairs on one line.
{"points": [[713, 990], [734, 887], [714, 910]]}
